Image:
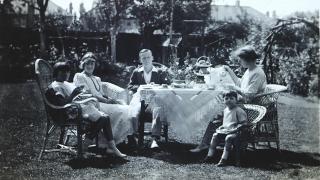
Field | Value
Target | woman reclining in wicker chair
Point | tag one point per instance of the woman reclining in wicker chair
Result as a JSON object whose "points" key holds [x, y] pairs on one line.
{"points": [[65, 92]]}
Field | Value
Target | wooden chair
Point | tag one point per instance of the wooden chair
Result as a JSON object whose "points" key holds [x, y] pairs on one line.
{"points": [[268, 128], [147, 118], [65, 117]]}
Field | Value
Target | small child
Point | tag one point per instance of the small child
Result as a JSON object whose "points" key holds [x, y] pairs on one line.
{"points": [[65, 92], [233, 118]]}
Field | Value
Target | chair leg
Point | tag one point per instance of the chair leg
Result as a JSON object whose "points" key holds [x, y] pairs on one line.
{"points": [[141, 133], [62, 134], [45, 141], [165, 130], [79, 138], [141, 124], [278, 145], [253, 146], [97, 141]]}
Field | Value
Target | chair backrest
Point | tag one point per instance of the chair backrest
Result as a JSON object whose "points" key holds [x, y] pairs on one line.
{"points": [[254, 113], [157, 65], [44, 76], [44, 72], [115, 92], [270, 95]]}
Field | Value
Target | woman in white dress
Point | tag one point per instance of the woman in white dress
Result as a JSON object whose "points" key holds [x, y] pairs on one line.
{"points": [[123, 123]]}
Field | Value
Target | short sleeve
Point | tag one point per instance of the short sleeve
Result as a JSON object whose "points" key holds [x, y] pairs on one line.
{"points": [[254, 85], [79, 80], [241, 115]]}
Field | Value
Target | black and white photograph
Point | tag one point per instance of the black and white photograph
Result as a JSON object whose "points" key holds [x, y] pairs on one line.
{"points": [[159, 89]]}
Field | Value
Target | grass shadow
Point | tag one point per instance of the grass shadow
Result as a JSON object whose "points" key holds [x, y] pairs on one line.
{"points": [[96, 162], [265, 159]]}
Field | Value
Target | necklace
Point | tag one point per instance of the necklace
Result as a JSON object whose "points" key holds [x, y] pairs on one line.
{"points": [[95, 83]]}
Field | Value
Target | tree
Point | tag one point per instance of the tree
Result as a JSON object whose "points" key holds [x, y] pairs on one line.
{"points": [[291, 54], [157, 15], [112, 11], [6, 8], [82, 10], [70, 7], [42, 7]]}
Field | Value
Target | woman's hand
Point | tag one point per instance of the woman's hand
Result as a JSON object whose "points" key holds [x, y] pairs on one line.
{"points": [[77, 91], [230, 87], [227, 68]]}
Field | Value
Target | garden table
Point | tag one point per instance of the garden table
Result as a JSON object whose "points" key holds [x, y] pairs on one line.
{"points": [[186, 110]]}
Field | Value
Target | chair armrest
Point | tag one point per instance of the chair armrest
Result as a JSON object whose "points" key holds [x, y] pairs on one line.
{"points": [[86, 100], [55, 106], [115, 92], [217, 121]]}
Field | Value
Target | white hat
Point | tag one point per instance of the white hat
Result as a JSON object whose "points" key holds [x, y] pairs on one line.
{"points": [[89, 56]]}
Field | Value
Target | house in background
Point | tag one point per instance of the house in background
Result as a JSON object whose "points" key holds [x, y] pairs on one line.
{"points": [[235, 13]]}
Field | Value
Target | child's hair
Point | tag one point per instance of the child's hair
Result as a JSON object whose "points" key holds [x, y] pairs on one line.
{"points": [[60, 67], [230, 94]]}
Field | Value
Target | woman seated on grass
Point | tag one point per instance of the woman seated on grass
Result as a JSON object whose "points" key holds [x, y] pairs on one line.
{"points": [[253, 82], [66, 92]]}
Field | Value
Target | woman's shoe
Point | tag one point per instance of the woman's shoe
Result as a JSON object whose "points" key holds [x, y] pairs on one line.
{"points": [[207, 159], [112, 149], [222, 163], [199, 148]]}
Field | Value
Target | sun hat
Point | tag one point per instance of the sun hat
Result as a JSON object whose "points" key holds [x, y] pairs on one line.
{"points": [[89, 56]]}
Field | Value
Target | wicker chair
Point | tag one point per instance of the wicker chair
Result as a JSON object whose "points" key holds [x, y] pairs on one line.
{"points": [[65, 117], [268, 128], [255, 114], [247, 133]]}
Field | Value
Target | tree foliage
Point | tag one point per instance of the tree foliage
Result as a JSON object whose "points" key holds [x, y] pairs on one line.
{"points": [[292, 53]]}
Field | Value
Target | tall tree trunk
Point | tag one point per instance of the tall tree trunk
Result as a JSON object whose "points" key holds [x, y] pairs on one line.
{"points": [[113, 42], [146, 35], [42, 7], [42, 34]]}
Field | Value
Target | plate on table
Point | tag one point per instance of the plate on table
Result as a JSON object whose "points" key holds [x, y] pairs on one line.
{"points": [[175, 85], [146, 86]]}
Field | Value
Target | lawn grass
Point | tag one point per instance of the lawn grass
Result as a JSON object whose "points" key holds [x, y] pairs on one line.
{"points": [[22, 122]]}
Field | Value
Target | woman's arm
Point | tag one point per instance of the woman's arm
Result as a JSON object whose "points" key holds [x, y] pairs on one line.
{"points": [[234, 77]]}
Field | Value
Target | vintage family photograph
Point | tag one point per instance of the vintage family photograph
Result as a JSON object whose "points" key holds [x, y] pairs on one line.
{"points": [[159, 89]]}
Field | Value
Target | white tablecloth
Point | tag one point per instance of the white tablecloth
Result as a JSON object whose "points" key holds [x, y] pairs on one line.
{"points": [[187, 111]]}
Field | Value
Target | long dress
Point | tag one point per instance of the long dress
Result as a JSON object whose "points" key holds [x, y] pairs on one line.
{"points": [[121, 120]]}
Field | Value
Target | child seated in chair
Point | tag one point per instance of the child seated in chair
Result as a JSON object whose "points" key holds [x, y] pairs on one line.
{"points": [[65, 92], [234, 117]]}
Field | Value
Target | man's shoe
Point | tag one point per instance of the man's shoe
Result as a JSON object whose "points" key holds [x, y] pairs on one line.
{"points": [[132, 142], [154, 144], [222, 163], [199, 148]]}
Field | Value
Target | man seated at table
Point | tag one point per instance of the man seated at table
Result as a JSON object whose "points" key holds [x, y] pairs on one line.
{"points": [[147, 74]]}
